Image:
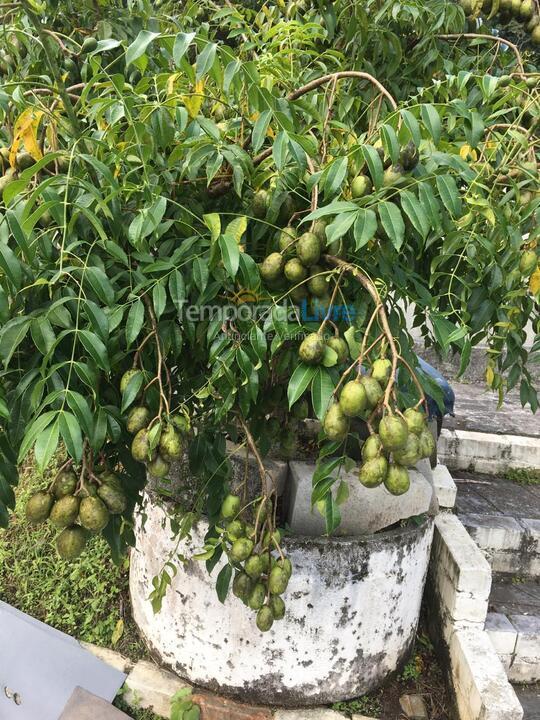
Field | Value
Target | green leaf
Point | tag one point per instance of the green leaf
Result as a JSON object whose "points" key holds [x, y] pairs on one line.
{"points": [[374, 163], [334, 175], [415, 212], [392, 223], [42, 334], [213, 223], [230, 254], [10, 265], [11, 336], [100, 284], [332, 516], [322, 388], [134, 321], [449, 194], [412, 126], [159, 299], [46, 444], [334, 208], [132, 390], [365, 227], [205, 60], [95, 348], [339, 226], [223, 581], [79, 405], [200, 273], [259, 130], [432, 121], [181, 43], [139, 45], [35, 429], [71, 434], [390, 142], [280, 149], [177, 290], [299, 382]]}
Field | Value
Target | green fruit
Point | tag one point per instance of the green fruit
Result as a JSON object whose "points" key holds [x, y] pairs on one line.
{"points": [[38, 507], [170, 444], [271, 539], [254, 567], [241, 549], [426, 443], [409, 156], [415, 420], [373, 472], [312, 348], [265, 618], [336, 425], [317, 284], [535, 35], [393, 175], [271, 267], [158, 468], [93, 514], [373, 390], [308, 249], [278, 607], [528, 262], [64, 484], [319, 229], [467, 6], [140, 447], [114, 498], [340, 347], [353, 398], [260, 204], [138, 418], [286, 565], [298, 294], [242, 586], [108, 477], [526, 10], [88, 490], [381, 370], [126, 377], [257, 596], [372, 447], [516, 7], [235, 530], [71, 542], [505, 80], [294, 271], [278, 580], [393, 431], [286, 237], [397, 480], [265, 561], [410, 454], [8, 177], [360, 186], [24, 160], [533, 22], [89, 45], [64, 511], [181, 423], [286, 210], [230, 507]]}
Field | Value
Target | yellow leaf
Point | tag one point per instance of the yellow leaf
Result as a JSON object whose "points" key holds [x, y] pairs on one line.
{"points": [[467, 153], [534, 282], [117, 632], [25, 132], [237, 228], [170, 83], [194, 102], [490, 376]]}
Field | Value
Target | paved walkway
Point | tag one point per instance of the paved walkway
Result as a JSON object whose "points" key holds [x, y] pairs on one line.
{"points": [[495, 495]]}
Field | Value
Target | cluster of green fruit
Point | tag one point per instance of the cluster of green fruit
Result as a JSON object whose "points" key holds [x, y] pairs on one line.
{"points": [[159, 450], [261, 575], [23, 160], [409, 157], [524, 11], [401, 441], [528, 262], [77, 510]]}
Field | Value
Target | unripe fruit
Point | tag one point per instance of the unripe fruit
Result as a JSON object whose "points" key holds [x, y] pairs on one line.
{"points": [[38, 507], [64, 511], [138, 418], [360, 186], [126, 377], [241, 549], [319, 230], [353, 399], [526, 10], [242, 586], [158, 467], [278, 607], [265, 618], [235, 529], [426, 443], [372, 447], [294, 271], [170, 444], [535, 35], [373, 390], [278, 580], [113, 497], [397, 480], [393, 431], [373, 472], [257, 596], [336, 425], [528, 262], [311, 350], [64, 484], [516, 7], [308, 249], [89, 45], [71, 542], [93, 514], [271, 539], [415, 420], [140, 447], [380, 371], [340, 347], [410, 454], [286, 565], [254, 567], [393, 175], [272, 267], [260, 204], [230, 507], [287, 237], [317, 284]]}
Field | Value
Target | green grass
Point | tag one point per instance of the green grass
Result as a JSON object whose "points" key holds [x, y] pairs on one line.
{"points": [[135, 713], [88, 599], [524, 476], [369, 705]]}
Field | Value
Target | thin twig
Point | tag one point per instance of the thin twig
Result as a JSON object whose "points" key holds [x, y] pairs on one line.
{"points": [[492, 38]]}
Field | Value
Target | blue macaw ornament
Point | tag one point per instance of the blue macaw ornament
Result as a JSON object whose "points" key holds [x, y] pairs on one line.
{"points": [[448, 394]]}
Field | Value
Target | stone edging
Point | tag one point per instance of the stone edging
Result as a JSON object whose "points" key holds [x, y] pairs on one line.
{"points": [[516, 638], [458, 589], [487, 452]]}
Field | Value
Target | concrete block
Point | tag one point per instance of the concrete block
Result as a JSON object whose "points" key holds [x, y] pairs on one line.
{"points": [[487, 452], [216, 707], [83, 705], [316, 714], [494, 533], [112, 658], [276, 471], [444, 485], [532, 530], [366, 511], [481, 686], [502, 633], [424, 468], [150, 688], [524, 670], [528, 636]]}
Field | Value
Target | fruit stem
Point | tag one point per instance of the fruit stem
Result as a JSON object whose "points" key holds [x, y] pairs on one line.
{"points": [[363, 352], [493, 38], [163, 400], [62, 467], [331, 305], [416, 382], [253, 447]]}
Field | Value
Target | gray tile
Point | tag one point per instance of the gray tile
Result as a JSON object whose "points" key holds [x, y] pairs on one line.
{"points": [[82, 705], [529, 697]]}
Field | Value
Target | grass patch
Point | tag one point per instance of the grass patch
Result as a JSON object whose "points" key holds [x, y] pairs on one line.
{"points": [[134, 712], [369, 705], [524, 476], [88, 599]]}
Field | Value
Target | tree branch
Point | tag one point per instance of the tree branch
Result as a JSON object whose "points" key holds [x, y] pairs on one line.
{"points": [[492, 38]]}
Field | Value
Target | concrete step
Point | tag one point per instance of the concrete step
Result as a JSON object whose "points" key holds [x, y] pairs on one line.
{"points": [[529, 697]]}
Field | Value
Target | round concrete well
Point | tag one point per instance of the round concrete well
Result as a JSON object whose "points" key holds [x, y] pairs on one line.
{"points": [[352, 611]]}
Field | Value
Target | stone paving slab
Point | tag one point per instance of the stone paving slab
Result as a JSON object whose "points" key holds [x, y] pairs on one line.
{"points": [[515, 598], [529, 697], [83, 705], [495, 495]]}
